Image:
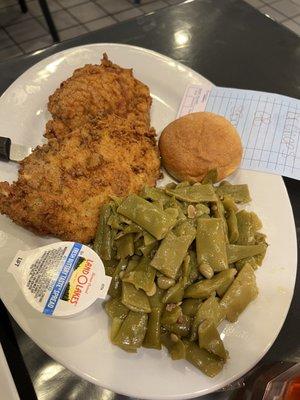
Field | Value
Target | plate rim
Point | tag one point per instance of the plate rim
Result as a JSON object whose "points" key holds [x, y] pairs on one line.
{"points": [[280, 180]]}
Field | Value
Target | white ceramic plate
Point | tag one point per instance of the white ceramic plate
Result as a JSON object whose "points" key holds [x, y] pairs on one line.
{"points": [[81, 343]]}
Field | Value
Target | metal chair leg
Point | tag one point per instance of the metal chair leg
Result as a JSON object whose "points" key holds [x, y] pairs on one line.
{"points": [[49, 20], [23, 6]]}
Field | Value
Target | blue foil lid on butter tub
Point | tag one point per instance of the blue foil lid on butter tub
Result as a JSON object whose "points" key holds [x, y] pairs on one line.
{"points": [[60, 279]]}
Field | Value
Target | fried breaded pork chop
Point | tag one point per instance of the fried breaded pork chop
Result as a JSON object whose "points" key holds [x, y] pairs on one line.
{"points": [[98, 90], [62, 184]]}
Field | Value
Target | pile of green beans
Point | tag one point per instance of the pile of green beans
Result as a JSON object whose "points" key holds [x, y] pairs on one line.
{"points": [[182, 260]]}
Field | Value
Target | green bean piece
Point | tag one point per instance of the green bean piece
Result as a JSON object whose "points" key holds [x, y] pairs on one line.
{"points": [[175, 293], [149, 250], [114, 221], [229, 204], [210, 177], [170, 316], [132, 332], [206, 270], [165, 283], [104, 234], [232, 226], [209, 339], [206, 287], [260, 238], [142, 277], [210, 243], [152, 338], [186, 267], [181, 328], [209, 309], [239, 193], [149, 217], [172, 251], [237, 252], [148, 239], [166, 341], [132, 228], [116, 324], [242, 291], [208, 363], [194, 272], [201, 209], [132, 263], [154, 194], [255, 261], [190, 306], [248, 260], [248, 225], [110, 266], [193, 194], [135, 299], [115, 288], [185, 227], [153, 335], [115, 309], [178, 351], [125, 246], [218, 211]]}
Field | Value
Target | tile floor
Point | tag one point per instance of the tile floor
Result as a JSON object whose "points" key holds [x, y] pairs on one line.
{"points": [[25, 33]]}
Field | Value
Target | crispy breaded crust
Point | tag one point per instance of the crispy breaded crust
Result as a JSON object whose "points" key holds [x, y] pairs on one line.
{"points": [[93, 89], [62, 184]]}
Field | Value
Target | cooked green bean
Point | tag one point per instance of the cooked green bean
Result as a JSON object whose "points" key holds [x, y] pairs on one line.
{"points": [[115, 287], [209, 309], [171, 253], [248, 223], [190, 306], [104, 234], [175, 293], [165, 283], [232, 226], [149, 217], [193, 194], [210, 177], [239, 193], [242, 291], [154, 194], [209, 339], [135, 299], [181, 328], [178, 351], [237, 252], [125, 246], [210, 243], [208, 363], [132, 331], [194, 272], [206, 287], [206, 270], [229, 204], [143, 275], [152, 337], [170, 316], [115, 309], [116, 324]]}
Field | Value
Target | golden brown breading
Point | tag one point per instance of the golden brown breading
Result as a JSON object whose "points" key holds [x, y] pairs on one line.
{"points": [[95, 91], [62, 184]]}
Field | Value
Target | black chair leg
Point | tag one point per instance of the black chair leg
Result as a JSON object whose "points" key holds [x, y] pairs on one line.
{"points": [[49, 20], [23, 6]]}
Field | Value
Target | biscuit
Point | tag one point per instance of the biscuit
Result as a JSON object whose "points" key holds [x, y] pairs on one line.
{"points": [[196, 143]]}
